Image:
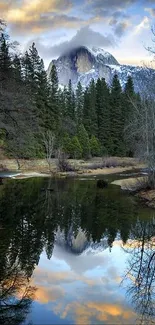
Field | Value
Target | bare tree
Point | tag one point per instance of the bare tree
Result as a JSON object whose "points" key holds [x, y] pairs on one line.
{"points": [[16, 295], [140, 275], [49, 143], [150, 48], [140, 134], [62, 162], [140, 130]]}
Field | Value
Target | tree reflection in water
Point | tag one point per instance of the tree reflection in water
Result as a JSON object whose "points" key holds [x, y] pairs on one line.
{"points": [[16, 295], [30, 217], [141, 271]]}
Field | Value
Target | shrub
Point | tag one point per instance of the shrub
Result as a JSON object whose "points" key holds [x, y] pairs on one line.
{"points": [[63, 164], [110, 162], [101, 183]]}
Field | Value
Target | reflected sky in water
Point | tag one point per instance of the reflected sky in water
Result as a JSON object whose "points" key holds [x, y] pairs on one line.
{"points": [[82, 289]]}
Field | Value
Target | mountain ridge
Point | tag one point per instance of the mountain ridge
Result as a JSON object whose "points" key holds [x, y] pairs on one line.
{"points": [[84, 64]]}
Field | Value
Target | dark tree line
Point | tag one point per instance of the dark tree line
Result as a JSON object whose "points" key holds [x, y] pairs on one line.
{"points": [[84, 122], [30, 216]]}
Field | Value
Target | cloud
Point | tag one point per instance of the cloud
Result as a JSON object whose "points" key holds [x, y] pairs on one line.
{"points": [[3, 6], [84, 313], [45, 23], [43, 276], [110, 4], [45, 294], [107, 8], [84, 37], [29, 9], [95, 296], [37, 15], [120, 28], [151, 11], [144, 24]]}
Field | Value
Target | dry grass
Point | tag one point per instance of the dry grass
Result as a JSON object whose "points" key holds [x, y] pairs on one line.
{"points": [[106, 171], [131, 184], [110, 162], [95, 166], [139, 186]]}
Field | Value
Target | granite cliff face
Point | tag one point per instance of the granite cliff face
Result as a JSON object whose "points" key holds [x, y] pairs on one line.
{"points": [[83, 64], [78, 243]]}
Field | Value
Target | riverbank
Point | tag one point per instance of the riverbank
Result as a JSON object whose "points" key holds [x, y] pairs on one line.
{"points": [[94, 167], [134, 186]]}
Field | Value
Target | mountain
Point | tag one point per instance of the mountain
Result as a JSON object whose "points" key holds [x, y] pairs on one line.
{"points": [[82, 64], [78, 243]]}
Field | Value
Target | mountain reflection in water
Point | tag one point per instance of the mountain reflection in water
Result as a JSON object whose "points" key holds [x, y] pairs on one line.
{"points": [[77, 254]]}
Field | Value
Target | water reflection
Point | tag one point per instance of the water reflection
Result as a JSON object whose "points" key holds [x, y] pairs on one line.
{"points": [[141, 270], [86, 234], [16, 293]]}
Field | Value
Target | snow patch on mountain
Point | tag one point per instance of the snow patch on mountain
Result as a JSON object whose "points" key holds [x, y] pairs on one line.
{"points": [[99, 51], [84, 64]]}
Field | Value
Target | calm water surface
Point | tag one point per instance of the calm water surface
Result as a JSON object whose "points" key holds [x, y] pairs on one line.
{"points": [[71, 253]]}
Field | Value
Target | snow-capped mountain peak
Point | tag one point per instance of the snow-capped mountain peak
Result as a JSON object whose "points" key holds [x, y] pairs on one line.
{"points": [[84, 64], [99, 51]]}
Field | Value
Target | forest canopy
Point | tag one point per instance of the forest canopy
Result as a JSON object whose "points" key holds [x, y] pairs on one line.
{"points": [[82, 122]]}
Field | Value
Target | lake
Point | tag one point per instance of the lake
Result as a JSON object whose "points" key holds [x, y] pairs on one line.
{"points": [[72, 253]]}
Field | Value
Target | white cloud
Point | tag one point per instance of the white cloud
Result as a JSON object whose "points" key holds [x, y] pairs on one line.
{"points": [[84, 37], [151, 11], [144, 24]]}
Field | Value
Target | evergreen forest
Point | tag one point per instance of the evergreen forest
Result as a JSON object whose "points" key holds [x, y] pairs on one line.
{"points": [[34, 108]]}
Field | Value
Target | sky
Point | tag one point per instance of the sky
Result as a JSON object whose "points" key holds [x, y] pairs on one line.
{"points": [[121, 27]]}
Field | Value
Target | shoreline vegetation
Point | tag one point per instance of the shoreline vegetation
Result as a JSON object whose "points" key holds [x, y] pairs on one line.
{"points": [[94, 166], [41, 120], [138, 187]]}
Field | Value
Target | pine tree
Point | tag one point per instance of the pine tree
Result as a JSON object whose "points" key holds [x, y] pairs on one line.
{"points": [[86, 112], [27, 70], [89, 111], [36, 84], [103, 114], [129, 98], [17, 68], [5, 60], [117, 119], [67, 144], [54, 82], [54, 106], [129, 88], [30, 66], [70, 102], [79, 103], [64, 102], [92, 107], [95, 147], [76, 148], [61, 103], [42, 96], [84, 141], [35, 64]]}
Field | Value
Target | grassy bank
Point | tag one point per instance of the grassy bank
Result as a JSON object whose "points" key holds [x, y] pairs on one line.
{"points": [[94, 166]]}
